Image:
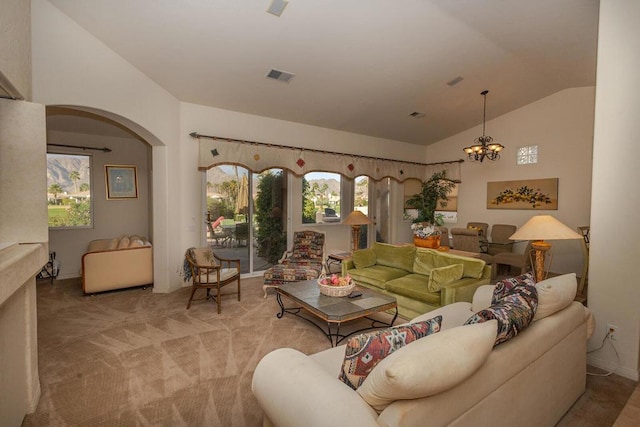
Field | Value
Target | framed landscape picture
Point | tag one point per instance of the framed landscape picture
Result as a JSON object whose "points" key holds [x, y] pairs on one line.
{"points": [[122, 182], [536, 194]]}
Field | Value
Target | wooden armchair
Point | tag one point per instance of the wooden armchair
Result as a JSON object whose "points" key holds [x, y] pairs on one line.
{"points": [[208, 271], [582, 286]]}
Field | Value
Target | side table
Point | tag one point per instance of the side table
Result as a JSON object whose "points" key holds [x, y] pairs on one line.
{"points": [[337, 258]]}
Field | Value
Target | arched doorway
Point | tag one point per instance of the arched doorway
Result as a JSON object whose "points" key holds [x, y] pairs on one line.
{"points": [[103, 141]]}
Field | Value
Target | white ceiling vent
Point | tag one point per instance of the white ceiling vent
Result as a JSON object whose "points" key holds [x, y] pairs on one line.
{"points": [[280, 75], [277, 7], [455, 81]]}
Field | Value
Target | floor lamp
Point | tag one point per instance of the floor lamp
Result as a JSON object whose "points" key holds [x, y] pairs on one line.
{"points": [[538, 229], [356, 219]]}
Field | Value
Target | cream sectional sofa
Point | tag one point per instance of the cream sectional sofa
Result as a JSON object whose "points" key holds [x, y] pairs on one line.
{"points": [[121, 262], [449, 378]]}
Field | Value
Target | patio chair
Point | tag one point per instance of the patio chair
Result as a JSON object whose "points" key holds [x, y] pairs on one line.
{"points": [[330, 215], [305, 261], [208, 271], [242, 233]]}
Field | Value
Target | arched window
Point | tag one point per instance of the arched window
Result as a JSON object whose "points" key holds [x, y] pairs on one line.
{"points": [[321, 192]]}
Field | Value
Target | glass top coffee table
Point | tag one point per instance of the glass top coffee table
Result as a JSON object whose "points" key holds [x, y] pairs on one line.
{"points": [[329, 313]]}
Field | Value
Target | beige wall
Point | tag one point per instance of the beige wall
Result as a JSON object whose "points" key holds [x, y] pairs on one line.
{"points": [[111, 217], [218, 122], [23, 227], [15, 46], [82, 71], [73, 68], [614, 293], [562, 127]]}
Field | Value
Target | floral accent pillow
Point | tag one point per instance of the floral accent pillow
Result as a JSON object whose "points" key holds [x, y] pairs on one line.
{"points": [[514, 311], [363, 352]]}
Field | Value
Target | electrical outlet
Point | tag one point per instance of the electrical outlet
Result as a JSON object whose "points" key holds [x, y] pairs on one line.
{"points": [[612, 330]]}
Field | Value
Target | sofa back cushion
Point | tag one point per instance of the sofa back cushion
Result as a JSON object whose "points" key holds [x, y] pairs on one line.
{"points": [[428, 259], [363, 352], [308, 244], [364, 258], [554, 294], [395, 256], [430, 365], [443, 276], [124, 242]]}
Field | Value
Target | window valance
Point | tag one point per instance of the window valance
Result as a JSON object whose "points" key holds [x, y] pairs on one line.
{"points": [[258, 157]]}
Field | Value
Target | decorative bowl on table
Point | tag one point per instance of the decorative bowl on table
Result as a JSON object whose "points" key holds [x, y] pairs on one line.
{"points": [[336, 286]]}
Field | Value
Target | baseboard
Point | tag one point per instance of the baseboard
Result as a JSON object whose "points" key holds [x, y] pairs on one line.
{"points": [[67, 276], [32, 404], [607, 366]]}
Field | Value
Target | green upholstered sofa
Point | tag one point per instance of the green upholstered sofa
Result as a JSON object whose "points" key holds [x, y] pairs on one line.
{"points": [[420, 279]]}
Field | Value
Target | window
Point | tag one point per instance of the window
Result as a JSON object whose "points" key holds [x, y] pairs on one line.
{"points": [[69, 191], [361, 203], [527, 155], [321, 198]]}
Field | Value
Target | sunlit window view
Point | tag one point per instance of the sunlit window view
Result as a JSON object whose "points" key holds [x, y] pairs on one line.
{"points": [[321, 198], [245, 215], [69, 190], [361, 203]]}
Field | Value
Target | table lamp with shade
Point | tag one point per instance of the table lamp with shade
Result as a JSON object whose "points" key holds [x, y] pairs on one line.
{"points": [[539, 229], [356, 219]]}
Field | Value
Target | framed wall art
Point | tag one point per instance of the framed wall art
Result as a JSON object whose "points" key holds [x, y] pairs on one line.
{"points": [[122, 182], [535, 194]]}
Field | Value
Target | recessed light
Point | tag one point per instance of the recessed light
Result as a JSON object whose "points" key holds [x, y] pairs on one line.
{"points": [[417, 115]]}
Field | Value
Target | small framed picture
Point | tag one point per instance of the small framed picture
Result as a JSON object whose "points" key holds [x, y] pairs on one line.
{"points": [[122, 182]]}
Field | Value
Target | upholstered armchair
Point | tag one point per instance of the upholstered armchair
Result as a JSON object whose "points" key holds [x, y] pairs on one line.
{"points": [[469, 240], [500, 242], [305, 261], [521, 261]]}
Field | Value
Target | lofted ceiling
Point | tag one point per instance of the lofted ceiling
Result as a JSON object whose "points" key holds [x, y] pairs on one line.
{"points": [[360, 66]]}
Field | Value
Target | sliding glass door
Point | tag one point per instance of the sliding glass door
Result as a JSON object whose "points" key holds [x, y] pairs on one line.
{"points": [[245, 215]]}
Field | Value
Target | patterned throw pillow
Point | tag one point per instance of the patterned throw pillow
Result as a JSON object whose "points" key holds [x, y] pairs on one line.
{"points": [[363, 352], [506, 285], [514, 311]]}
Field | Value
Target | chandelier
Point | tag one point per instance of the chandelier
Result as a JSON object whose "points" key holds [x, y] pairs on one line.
{"points": [[484, 146]]}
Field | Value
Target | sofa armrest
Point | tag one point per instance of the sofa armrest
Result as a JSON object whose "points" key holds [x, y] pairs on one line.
{"points": [[461, 290], [347, 265], [294, 390]]}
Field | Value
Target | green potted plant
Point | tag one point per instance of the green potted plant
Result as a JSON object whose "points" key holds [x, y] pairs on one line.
{"points": [[435, 189]]}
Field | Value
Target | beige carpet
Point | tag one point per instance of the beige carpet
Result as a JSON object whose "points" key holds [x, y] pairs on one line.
{"points": [[135, 358]]}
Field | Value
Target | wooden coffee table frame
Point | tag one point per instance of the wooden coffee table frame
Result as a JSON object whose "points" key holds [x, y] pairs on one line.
{"points": [[329, 313]]}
